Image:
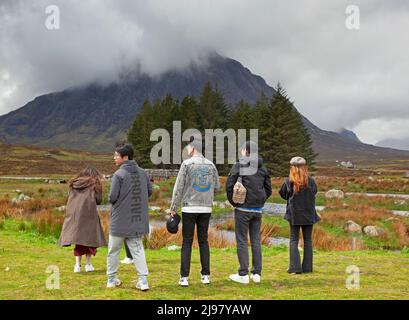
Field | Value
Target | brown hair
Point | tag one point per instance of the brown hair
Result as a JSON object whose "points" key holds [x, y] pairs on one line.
{"points": [[89, 173], [299, 177]]}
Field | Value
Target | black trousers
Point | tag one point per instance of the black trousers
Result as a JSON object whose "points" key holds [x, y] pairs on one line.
{"points": [[248, 223], [189, 221], [128, 252], [295, 261]]}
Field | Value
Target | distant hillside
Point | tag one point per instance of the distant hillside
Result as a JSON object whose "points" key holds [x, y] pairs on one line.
{"points": [[333, 146], [402, 144], [46, 162], [94, 117]]}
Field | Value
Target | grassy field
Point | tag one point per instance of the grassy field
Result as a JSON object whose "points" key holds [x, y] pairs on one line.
{"points": [[39, 161], [29, 230], [25, 256], [329, 235], [35, 161], [41, 189]]}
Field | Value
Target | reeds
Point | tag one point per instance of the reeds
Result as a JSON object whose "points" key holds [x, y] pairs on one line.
{"points": [[160, 237], [364, 215]]}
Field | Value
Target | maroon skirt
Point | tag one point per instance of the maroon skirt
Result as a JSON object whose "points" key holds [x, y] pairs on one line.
{"points": [[80, 250]]}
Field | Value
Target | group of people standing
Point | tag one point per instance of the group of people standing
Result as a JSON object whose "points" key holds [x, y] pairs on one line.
{"points": [[193, 193]]}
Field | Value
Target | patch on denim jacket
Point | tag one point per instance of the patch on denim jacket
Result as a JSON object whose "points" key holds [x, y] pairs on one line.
{"points": [[202, 179]]}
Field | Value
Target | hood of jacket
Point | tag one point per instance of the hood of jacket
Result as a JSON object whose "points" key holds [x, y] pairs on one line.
{"points": [[130, 166], [81, 183]]}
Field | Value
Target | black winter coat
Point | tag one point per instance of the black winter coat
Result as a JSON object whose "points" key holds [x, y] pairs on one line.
{"points": [[301, 206], [258, 185]]}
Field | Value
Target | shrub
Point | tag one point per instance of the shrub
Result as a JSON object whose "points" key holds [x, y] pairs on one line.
{"points": [[402, 231]]}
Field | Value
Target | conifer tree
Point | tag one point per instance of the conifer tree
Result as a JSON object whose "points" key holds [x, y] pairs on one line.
{"points": [[282, 133], [139, 135]]}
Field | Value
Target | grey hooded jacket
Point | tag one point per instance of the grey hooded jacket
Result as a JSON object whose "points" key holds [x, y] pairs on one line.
{"points": [[130, 190], [195, 184]]}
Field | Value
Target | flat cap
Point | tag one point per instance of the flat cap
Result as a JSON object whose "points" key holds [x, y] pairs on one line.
{"points": [[298, 161]]}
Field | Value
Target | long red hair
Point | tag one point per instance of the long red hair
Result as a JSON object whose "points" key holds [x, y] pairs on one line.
{"points": [[299, 177]]}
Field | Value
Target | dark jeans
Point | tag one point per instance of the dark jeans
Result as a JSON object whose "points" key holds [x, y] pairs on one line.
{"points": [[128, 252], [295, 262], [245, 223], [189, 221]]}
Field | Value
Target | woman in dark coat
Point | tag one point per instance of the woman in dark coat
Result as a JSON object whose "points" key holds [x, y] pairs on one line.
{"points": [[299, 190], [81, 224]]}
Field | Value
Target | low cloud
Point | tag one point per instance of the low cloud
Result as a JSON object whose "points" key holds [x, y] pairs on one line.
{"points": [[337, 77]]}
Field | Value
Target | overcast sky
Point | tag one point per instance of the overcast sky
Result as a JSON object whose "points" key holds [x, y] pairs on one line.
{"points": [[358, 79]]}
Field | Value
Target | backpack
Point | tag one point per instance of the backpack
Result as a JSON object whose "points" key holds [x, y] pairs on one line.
{"points": [[239, 192]]}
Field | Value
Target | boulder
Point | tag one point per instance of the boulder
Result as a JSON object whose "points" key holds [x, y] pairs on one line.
{"points": [[278, 241], [347, 164], [392, 219], [174, 248], [351, 226], [334, 193], [107, 177], [400, 202], [20, 198], [51, 181], [61, 209], [23, 197], [373, 231]]}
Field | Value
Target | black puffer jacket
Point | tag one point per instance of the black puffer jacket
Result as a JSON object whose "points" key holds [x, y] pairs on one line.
{"points": [[258, 185], [301, 206]]}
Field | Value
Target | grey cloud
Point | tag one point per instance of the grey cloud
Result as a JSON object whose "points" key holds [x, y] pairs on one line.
{"points": [[337, 77]]}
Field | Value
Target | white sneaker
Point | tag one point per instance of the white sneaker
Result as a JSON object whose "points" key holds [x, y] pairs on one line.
{"points": [[255, 277], [183, 282], [240, 279], [127, 261], [205, 279], [89, 268], [77, 268], [142, 285], [114, 284]]}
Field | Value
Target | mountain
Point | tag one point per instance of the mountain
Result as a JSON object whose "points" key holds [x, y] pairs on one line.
{"points": [[332, 146], [402, 144], [349, 134], [94, 117]]}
